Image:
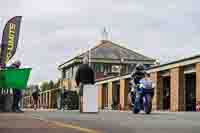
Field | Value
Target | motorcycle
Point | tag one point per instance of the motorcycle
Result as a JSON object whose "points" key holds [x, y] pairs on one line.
{"points": [[143, 99]]}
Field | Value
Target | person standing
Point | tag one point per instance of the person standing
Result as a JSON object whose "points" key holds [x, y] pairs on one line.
{"points": [[17, 93], [22, 99], [148, 83], [84, 76], [35, 96]]}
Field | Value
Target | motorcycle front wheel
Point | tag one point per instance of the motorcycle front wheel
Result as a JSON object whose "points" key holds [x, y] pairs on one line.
{"points": [[135, 110], [136, 107]]}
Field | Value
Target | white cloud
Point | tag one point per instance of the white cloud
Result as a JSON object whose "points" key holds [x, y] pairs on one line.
{"points": [[54, 30]]}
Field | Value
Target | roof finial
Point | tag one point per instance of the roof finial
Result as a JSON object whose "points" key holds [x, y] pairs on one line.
{"points": [[104, 34]]}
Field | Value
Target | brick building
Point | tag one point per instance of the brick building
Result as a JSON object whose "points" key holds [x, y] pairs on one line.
{"points": [[107, 60], [177, 86]]}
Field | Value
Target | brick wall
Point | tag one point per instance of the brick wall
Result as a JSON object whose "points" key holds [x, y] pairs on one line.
{"points": [[158, 91], [110, 94], [124, 94], [100, 96], [177, 89], [198, 83]]}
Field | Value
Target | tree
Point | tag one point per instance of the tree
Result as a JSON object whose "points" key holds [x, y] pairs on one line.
{"points": [[51, 84], [44, 86], [57, 84], [28, 91]]}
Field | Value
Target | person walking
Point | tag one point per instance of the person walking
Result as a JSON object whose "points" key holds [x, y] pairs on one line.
{"points": [[35, 96], [148, 83], [84, 76]]}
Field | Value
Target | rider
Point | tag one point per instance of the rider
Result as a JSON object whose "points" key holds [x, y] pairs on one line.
{"points": [[137, 75]]}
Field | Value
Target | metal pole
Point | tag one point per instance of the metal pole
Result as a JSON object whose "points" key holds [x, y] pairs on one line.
{"points": [[89, 56]]}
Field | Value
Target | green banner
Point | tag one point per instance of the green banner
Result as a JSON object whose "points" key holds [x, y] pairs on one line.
{"points": [[14, 78]]}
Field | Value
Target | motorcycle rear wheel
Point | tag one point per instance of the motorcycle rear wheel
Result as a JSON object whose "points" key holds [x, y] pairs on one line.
{"points": [[147, 104]]}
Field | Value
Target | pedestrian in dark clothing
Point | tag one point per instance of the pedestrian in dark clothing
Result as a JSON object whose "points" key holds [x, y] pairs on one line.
{"points": [[84, 76], [17, 93], [35, 96]]}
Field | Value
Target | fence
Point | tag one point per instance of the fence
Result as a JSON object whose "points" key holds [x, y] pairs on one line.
{"points": [[47, 100]]}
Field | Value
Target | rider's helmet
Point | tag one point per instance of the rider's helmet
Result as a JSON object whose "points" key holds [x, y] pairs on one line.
{"points": [[140, 67]]}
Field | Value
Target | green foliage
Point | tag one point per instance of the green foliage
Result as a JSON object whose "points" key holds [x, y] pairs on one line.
{"points": [[29, 89], [27, 92], [44, 86], [48, 85], [56, 85], [51, 85]]}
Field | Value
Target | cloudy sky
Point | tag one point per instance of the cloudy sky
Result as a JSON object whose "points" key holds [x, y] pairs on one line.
{"points": [[54, 30]]}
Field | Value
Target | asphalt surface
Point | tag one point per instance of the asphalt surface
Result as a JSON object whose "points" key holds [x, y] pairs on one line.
{"points": [[24, 123], [105, 122]]}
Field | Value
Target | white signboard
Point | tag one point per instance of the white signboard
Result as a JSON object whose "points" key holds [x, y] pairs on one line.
{"points": [[90, 99]]}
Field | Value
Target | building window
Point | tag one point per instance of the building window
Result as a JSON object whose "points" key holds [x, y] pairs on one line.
{"points": [[63, 74], [67, 74], [70, 72], [123, 69], [127, 68], [106, 68], [74, 71], [131, 68], [102, 68], [109, 68], [98, 67], [93, 66], [147, 66]]}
